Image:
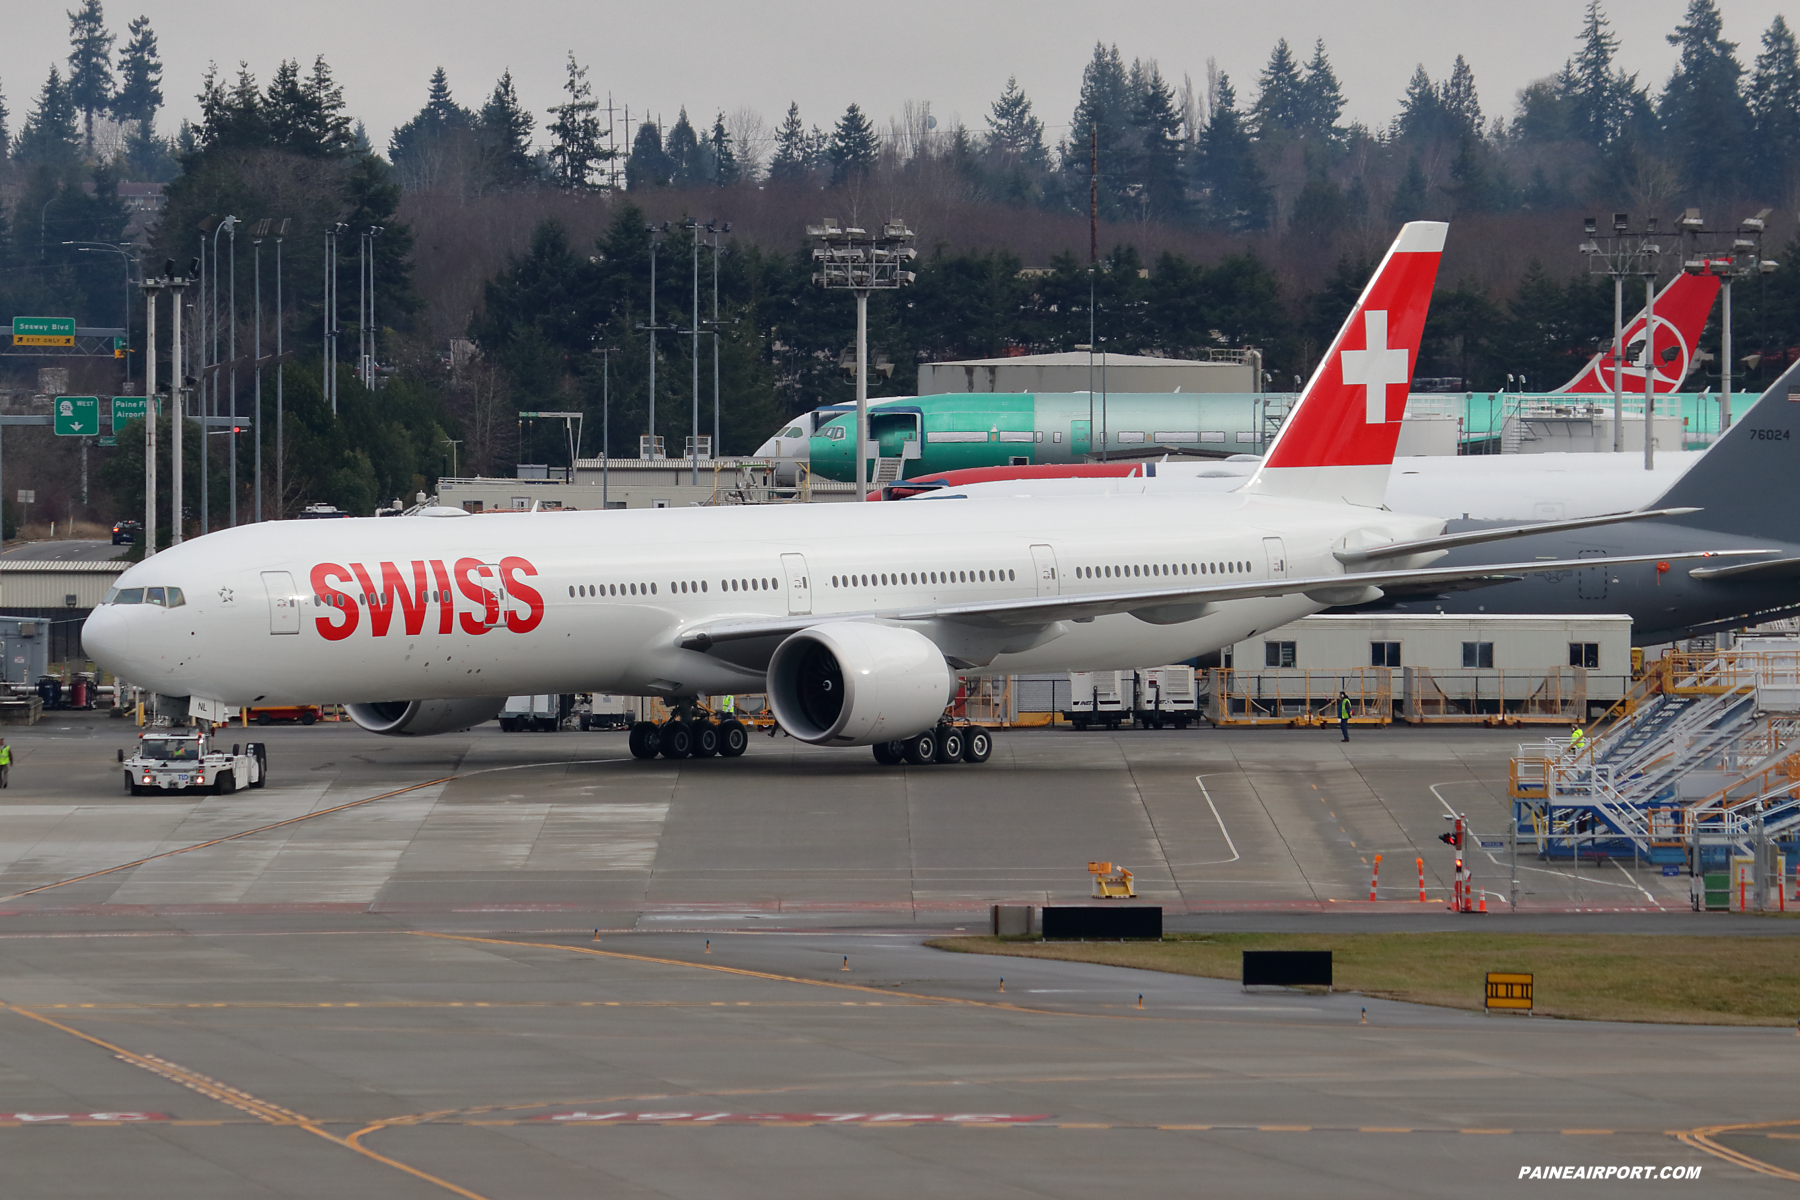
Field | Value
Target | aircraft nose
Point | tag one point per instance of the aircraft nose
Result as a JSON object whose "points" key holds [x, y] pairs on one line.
{"points": [[106, 636]]}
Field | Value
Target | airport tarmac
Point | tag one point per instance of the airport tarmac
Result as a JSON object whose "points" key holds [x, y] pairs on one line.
{"points": [[395, 987]]}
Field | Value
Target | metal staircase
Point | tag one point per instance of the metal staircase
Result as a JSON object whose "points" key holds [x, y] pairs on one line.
{"points": [[1621, 794], [888, 470]]}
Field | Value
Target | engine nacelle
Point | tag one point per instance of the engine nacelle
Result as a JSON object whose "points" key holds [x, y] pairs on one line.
{"points": [[422, 718], [857, 683]]}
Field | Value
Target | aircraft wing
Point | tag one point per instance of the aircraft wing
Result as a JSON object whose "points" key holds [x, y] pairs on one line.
{"points": [[1163, 606], [1476, 537]]}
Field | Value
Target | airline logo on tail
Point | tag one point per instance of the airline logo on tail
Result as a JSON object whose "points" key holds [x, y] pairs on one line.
{"points": [[1681, 312], [1338, 441]]}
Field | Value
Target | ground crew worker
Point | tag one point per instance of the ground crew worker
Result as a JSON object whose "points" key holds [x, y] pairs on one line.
{"points": [[5, 761], [1343, 714], [1577, 740], [728, 705]]}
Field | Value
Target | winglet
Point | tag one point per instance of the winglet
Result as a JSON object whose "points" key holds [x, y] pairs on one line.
{"points": [[1338, 442]]}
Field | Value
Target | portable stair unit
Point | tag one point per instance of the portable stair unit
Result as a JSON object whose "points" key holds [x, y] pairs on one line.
{"points": [[1633, 791]]}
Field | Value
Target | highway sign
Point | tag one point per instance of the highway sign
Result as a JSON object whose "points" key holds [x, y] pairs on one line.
{"points": [[77, 416], [107, 441], [43, 331], [27, 495], [119, 347], [127, 408]]}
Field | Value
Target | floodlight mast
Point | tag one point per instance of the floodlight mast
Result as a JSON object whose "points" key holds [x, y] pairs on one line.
{"points": [[848, 258], [1620, 254], [1730, 255]]}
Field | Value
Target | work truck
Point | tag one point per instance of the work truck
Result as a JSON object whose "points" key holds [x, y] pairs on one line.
{"points": [[184, 759]]}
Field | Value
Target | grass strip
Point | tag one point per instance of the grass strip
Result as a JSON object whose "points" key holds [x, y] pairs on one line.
{"points": [[1674, 979]]}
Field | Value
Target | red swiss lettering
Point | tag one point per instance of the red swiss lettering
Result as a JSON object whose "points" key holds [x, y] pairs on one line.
{"points": [[381, 604], [490, 604], [341, 603], [533, 601], [446, 601], [412, 603]]}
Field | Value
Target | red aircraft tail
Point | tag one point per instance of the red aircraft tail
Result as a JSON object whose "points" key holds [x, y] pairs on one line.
{"points": [[1681, 311]]}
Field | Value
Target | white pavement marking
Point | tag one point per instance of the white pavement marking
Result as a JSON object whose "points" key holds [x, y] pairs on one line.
{"points": [[1634, 885], [1201, 780]]}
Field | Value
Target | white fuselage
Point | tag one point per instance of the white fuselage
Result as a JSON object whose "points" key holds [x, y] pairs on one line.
{"points": [[597, 601], [1499, 487]]}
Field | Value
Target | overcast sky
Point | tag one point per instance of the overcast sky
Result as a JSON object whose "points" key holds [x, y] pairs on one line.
{"points": [[711, 55]]}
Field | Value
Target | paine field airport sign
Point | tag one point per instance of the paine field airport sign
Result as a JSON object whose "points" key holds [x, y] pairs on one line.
{"points": [[43, 331]]}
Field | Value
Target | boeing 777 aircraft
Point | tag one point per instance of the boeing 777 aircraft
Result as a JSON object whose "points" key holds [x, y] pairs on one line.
{"points": [[855, 619]]}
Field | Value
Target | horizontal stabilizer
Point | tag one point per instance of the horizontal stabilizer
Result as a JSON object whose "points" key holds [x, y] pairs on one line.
{"points": [[1756, 572], [1476, 537]]}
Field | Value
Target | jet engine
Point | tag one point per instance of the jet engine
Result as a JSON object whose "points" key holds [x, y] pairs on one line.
{"points": [[421, 718], [858, 683]]}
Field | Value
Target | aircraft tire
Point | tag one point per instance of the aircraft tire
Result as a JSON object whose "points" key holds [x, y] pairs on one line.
{"points": [[734, 739], [950, 744], [675, 740], [642, 740], [978, 743], [706, 739], [922, 748], [890, 754]]}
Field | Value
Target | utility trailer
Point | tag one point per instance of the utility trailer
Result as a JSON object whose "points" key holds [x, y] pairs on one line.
{"points": [[185, 759], [535, 714], [1104, 698], [1167, 696]]}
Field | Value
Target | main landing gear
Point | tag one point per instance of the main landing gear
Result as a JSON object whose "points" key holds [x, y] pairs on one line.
{"points": [[689, 735], [943, 743]]}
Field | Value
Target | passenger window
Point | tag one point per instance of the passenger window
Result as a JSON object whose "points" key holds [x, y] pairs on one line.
{"points": [[130, 596], [176, 599]]}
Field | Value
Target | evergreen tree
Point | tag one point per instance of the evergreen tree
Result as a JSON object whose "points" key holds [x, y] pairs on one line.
{"points": [[789, 164], [726, 168], [687, 162], [49, 136], [140, 78], [1410, 196], [1237, 191], [1102, 114], [441, 120], [304, 115], [1319, 210], [1775, 106], [1321, 97], [1281, 104], [1595, 92], [575, 135], [90, 65], [1704, 117], [504, 128], [1458, 102], [1421, 116], [5, 141], [232, 117], [854, 146], [1014, 134], [1160, 170], [648, 166]]}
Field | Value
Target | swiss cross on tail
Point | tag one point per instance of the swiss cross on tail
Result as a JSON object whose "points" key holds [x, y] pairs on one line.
{"points": [[1338, 441]]}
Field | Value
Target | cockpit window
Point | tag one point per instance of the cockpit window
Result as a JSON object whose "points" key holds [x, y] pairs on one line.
{"points": [[112, 594], [835, 432], [153, 596], [176, 599], [793, 431], [130, 596]]}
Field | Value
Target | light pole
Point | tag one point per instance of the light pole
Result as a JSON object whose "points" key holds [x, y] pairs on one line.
{"points": [[231, 342], [118, 249], [151, 288], [1619, 254], [647, 448], [329, 314], [178, 400], [280, 363], [716, 230], [848, 258], [693, 228], [1735, 254], [209, 340], [259, 231], [605, 353]]}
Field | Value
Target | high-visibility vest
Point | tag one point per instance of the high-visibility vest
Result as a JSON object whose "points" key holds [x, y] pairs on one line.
{"points": [[1343, 708]]}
